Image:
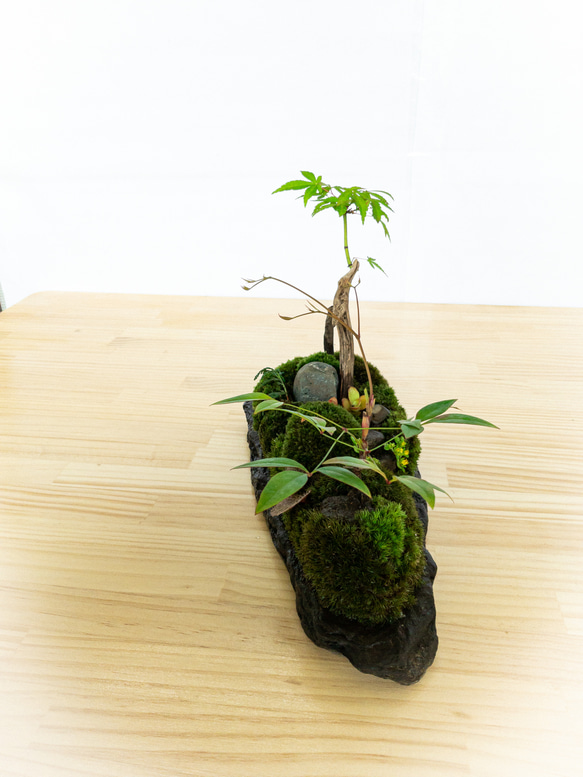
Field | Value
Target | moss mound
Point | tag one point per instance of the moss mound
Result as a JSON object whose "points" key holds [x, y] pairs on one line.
{"points": [[273, 425], [366, 569], [305, 443], [367, 566]]}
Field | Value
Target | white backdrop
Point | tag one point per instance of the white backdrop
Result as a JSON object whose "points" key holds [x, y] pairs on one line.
{"points": [[140, 141]]}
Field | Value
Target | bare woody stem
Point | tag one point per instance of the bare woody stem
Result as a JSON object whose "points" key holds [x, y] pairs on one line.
{"points": [[346, 334], [329, 333]]}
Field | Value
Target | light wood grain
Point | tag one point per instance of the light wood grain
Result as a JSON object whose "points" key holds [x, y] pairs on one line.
{"points": [[147, 625]]}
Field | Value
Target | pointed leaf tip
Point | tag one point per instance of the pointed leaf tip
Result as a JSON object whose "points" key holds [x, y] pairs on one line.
{"points": [[280, 487]]}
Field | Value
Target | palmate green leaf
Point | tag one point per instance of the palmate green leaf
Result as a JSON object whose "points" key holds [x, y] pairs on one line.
{"points": [[374, 263], [310, 192], [291, 186], [329, 203], [377, 194], [434, 409], [277, 461], [361, 204], [461, 418], [243, 398], [422, 487], [279, 487], [345, 476], [376, 210], [344, 198]]}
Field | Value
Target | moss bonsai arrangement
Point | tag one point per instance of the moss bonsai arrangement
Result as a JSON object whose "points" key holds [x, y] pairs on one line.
{"points": [[334, 465]]}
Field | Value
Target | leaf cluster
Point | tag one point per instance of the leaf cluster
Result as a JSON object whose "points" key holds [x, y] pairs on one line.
{"points": [[326, 428], [343, 200], [435, 413]]}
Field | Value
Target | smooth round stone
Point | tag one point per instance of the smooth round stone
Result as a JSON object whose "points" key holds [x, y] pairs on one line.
{"points": [[374, 438], [315, 382], [379, 414]]}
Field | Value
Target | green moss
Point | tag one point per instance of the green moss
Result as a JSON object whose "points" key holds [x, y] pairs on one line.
{"points": [[306, 444], [272, 424], [277, 445], [294, 522], [289, 369], [366, 569]]}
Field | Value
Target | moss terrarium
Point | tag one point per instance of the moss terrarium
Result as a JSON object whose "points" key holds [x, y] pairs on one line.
{"points": [[334, 465]]}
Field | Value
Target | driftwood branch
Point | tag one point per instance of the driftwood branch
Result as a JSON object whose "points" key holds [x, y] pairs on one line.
{"points": [[345, 337], [329, 333]]}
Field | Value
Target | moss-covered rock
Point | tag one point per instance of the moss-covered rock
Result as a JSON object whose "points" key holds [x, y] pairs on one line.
{"points": [[366, 569], [271, 425], [365, 566], [401, 648]]}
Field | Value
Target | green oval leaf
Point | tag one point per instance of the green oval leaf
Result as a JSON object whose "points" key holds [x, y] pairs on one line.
{"points": [[345, 476], [319, 423], [278, 461], [243, 398], [351, 461], [279, 487], [461, 418], [434, 409], [410, 428], [422, 487], [268, 404]]}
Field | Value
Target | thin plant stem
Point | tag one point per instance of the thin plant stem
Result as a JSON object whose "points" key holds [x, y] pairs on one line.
{"points": [[279, 280], [348, 259], [326, 454]]}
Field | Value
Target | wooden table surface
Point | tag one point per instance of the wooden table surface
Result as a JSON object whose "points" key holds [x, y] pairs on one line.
{"points": [[147, 624]]}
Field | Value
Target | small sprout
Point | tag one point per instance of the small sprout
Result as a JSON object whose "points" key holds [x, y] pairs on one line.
{"points": [[355, 403]]}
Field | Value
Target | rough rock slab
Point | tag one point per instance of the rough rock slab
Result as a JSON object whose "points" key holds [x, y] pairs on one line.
{"points": [[401, 650]]}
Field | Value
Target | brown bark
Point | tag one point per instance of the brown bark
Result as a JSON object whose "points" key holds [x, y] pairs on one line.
{"points": [[329, 334], [345, 338]]}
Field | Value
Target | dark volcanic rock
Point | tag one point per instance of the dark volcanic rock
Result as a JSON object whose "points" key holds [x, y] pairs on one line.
{"points": [[401, 650]]}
